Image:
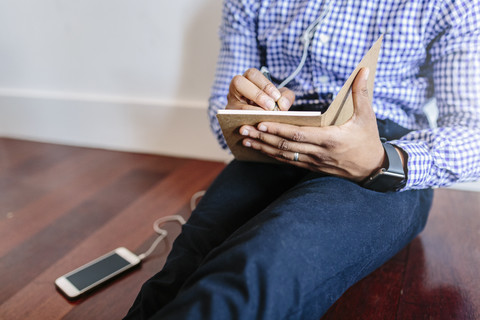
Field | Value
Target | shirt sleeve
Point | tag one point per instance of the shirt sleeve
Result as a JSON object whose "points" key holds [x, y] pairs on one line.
{"points": [[238, 52], [450, 152]]}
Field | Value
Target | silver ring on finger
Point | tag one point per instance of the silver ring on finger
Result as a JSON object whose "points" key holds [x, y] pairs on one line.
{"points": [[295, 156]]}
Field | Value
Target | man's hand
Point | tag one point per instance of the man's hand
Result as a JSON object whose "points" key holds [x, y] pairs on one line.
{"points": [[254, 91], [352, 150]]}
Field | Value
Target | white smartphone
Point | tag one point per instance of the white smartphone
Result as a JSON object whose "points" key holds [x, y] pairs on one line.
{"points": [[96, 272]]}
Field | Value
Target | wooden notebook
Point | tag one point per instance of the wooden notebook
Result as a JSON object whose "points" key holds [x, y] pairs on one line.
{"points": [[339, 112]]}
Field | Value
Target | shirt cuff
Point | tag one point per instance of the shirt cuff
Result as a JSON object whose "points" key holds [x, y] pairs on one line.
{"points": [[419, 163]]}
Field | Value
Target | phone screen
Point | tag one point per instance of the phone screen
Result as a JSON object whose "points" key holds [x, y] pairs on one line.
{"points": [[97, 271]]}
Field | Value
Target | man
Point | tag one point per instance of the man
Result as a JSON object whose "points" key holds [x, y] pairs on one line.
{"points": [[285, 241]]}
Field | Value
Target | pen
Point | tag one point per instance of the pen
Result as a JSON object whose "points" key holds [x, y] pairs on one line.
{"points": [[266, 73]]}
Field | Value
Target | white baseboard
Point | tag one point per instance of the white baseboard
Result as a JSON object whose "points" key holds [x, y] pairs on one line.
{"points": [[120, 123], [467, 186]]}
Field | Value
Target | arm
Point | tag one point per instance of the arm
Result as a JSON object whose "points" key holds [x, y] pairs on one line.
{"points": [[435, 157], [238, 52], [451, 152]]}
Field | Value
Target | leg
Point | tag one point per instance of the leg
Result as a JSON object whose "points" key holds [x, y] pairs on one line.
{"points": [[240, 191], [297, 256]]}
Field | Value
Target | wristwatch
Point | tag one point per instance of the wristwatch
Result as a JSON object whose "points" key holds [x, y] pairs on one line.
{"points": [[391, 178]]}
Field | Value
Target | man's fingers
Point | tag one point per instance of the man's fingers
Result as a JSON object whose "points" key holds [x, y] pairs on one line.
{"points": [[257, 78], [325, 137], [308, 156], [253, 88], [279, 143], [242, 88]]}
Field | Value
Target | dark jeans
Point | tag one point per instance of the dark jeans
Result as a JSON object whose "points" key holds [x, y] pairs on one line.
{"points": [[278, 242]]}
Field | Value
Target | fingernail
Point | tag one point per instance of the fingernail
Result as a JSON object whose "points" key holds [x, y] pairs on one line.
{"points": [[262, 127], [366, 72], [276, 95], [244, 132], [270, 104], [247, 143], [284, 103]]}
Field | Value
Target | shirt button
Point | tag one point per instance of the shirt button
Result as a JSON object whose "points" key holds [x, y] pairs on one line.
{"points": [[323, 79], [324, 38]]}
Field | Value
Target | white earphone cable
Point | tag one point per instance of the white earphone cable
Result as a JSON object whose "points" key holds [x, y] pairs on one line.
{"points": [[307, 37], [161, 232]]}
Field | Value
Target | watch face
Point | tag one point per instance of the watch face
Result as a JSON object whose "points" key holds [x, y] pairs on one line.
{"points": [[390, 179], [385, 181]]}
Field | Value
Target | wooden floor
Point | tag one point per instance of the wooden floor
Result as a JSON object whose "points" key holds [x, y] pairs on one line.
{"points": [[63, 206]]}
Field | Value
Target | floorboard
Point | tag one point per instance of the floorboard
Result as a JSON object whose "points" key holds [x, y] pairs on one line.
{"points": [[62, 206]]}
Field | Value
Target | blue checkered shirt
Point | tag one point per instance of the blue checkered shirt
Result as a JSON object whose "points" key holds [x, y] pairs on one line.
{"points": [[431, 50]]}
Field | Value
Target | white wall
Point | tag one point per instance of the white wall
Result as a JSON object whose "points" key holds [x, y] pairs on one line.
{"points": [[111, 73], [141, 48]]}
